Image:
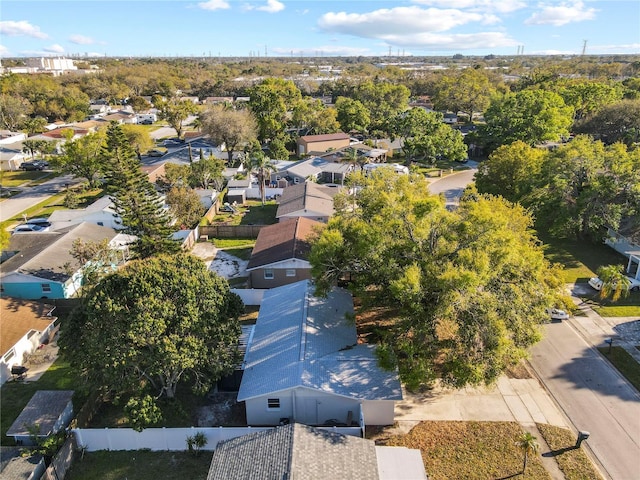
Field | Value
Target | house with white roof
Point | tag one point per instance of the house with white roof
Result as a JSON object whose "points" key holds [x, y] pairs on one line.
{"points": [[304, 363]]}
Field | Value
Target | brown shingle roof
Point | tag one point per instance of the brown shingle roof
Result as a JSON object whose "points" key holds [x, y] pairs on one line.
{"points": [[283, 241], [19, 317]]}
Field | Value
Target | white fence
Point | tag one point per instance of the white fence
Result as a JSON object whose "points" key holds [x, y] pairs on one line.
{"points": [[250, 296], [174, 439]]}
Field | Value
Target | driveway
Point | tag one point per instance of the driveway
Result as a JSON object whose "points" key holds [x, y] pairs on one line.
{"points": [[454, 184]]}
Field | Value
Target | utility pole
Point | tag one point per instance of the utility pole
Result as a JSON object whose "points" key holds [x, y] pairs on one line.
{"points": [[584, 47]]}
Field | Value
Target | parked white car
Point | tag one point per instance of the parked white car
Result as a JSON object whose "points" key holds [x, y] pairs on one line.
{"points": [[557, 314], [596, 283]]}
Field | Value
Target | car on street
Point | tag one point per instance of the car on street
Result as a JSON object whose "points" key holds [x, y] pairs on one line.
{"points": [[34, 165], [596, 284], [557, 314], [155, 152]]}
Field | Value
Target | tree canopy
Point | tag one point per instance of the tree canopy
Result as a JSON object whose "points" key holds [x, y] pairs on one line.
{"points": [[466, 290], [532, 116], [469, 92], [229, 127], [152, 325], [135, 199]]}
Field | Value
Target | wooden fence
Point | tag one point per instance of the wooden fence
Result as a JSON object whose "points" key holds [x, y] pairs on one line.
{"points": [[231, 231]]}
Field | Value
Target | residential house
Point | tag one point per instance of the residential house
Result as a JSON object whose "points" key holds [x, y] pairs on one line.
{"points": [[298, 451], [322, 143], [397, 168], [8, 137], [121, 117], [48, 412], [11, 159], [25, 325], [450, 118], [280, 255], [304, 363], [217, 100], [367, 153], [307, 200], [40, 265], [314, 169], [101, 212]]}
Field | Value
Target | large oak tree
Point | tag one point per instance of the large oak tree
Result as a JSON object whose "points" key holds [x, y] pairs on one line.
{"points": [[465, 292], [153, 325]]}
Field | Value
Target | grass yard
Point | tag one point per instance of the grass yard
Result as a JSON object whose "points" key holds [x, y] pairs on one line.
{"points": [[574, 463], [234, 243], [14, 396], [625, 363], [469, 450], [140, 465], [252, 213], [16, 178], [625, 307], [580, 259]]}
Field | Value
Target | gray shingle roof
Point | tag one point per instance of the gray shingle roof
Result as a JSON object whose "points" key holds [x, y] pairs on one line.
{"points": [[294, 452], [45, 254], [44, 409], [306, 196], [305, 341]]}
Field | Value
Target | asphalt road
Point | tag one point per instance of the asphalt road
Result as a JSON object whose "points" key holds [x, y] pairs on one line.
{"points": [[453, 185], [31, 196], [594, 396]]}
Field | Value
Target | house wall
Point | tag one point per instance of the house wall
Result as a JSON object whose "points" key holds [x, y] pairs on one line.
{"points": [[23, 286], [318, 217], [302, 405], [378, 412], [26, 345], [279, 277]]}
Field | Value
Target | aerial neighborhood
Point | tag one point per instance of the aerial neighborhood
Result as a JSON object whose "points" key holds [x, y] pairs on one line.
{"points": [[333, 267]]}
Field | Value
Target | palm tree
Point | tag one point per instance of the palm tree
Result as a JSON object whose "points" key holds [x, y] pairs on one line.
{"points": [[614, 282], [263, 166], [529, 444]]}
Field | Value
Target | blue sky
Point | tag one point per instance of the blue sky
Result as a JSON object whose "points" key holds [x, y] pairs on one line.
{"points": [[316, 28]]}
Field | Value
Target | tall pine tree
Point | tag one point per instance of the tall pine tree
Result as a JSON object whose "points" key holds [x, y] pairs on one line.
{"points": [[135, 199]]}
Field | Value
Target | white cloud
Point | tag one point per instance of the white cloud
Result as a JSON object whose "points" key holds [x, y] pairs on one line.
{"points": [[272, 6], [21, 28], [561, 14], [624, 48], [396, 21], [214, 5], [81, 40], [4, 50], [502, 6], [55, 48], [456, 41]]}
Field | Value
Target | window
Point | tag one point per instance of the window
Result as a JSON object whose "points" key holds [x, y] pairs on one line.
{"points": [[291, 272], [46, 287], [268, 273], [273, 403]]}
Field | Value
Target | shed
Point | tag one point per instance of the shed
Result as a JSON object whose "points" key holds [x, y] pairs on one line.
{"points": [[48, 410]]}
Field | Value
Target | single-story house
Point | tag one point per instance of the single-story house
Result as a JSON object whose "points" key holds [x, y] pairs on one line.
{"points": [[280, 255], [217, 100], [370, 154], [322, 143], [40, 265], [25, 325], [450, 118], [296, 451], [101, 212], [8, 137], [397, 168], [304, 363], [48, 412], [11, 159], [314, 168], [307, 199]]}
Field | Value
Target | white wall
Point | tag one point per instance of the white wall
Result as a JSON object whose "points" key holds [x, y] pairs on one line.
{"points": [[378, 412], [250, 296], [173, 439], [26, 345], [303, 405]]}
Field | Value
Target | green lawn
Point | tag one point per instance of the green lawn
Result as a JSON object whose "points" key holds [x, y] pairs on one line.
{"points": [[574, 463], [251, 213], [16, 178], [579, 258], [15, 395], [140, 465], [624, 362], [469, 450], [234, 243]]}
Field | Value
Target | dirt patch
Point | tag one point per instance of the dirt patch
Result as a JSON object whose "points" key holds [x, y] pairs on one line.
{"points": [[519, 371], [222, 409]]}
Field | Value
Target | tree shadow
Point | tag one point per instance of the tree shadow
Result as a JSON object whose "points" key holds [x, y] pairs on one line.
{"points": [[510, 476], [560, 451]]}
